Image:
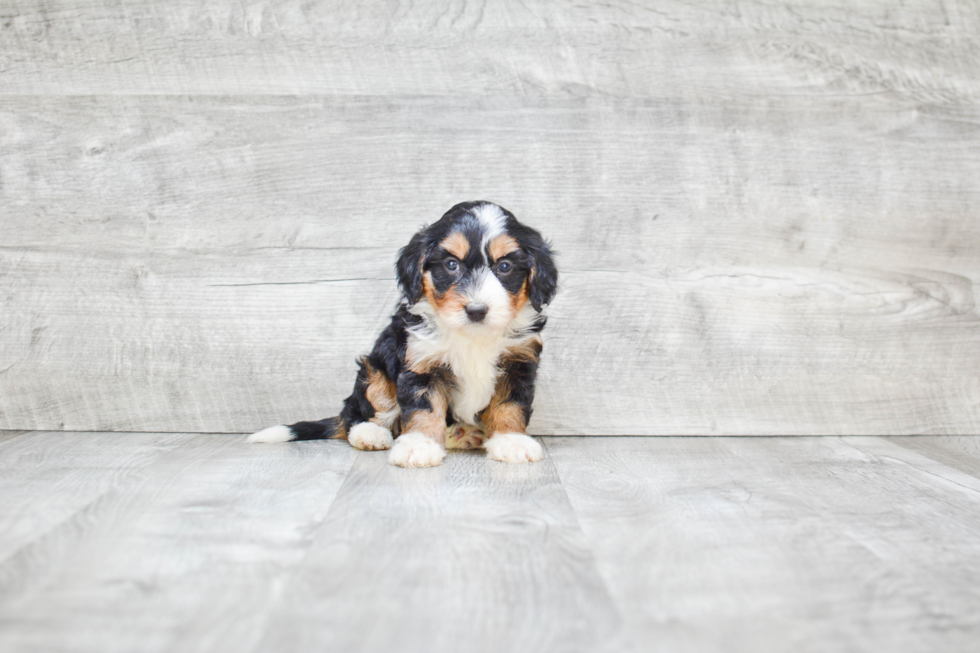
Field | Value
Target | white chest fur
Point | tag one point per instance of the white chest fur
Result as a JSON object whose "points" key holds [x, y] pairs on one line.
{"points": [[473, 355], [474, 360]]}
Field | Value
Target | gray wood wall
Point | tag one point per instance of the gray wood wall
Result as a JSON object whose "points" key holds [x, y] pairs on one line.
{"points": [[767, 214]]}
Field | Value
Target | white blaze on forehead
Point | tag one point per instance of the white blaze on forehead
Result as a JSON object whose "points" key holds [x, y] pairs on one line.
{"points": [[492, 222], [487, 290]]}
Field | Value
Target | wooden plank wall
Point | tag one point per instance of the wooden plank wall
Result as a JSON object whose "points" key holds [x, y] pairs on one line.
{"points": [[766, 213]]}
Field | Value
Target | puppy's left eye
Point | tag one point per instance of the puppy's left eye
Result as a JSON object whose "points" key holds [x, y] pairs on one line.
{"points": [[452, 265], [504, 267]]}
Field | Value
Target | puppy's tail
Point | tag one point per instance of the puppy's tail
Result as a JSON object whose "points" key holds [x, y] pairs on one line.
{"points": [[332, 427]]}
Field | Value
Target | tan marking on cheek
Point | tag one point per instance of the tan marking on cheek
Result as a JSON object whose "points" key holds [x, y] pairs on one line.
{"points": [[453, 302], [428, 289], [457, 245], [449, 304], [517, 301], [501, 246], [430, 422], [442, 303]]}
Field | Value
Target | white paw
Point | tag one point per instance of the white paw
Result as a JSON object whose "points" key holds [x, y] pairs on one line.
{"points": [[416, 450], [513, 448], [369, 436], [272, 434], [464, 436]]}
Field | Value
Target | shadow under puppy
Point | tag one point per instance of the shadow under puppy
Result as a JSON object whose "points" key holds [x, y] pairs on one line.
{"points": [[456, 366]]}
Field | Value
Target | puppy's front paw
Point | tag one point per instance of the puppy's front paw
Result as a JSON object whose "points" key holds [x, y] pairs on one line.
{"points": [[369, 436], [513, 448], [416, 449]]}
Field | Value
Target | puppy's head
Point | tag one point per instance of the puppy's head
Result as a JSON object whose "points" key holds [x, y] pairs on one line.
{"points": [[477, 268]]}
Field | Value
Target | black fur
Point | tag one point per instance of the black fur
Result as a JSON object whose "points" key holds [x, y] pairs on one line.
{"points": [[544, 275], [521, 374], [319, 430], [411, 259], [532, 264]]}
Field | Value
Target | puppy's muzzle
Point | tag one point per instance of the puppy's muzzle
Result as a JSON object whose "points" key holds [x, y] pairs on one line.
{"points": [[476, 312]]}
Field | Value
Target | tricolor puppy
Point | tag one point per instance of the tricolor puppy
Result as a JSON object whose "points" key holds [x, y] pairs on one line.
{"points": [[456, 366]]}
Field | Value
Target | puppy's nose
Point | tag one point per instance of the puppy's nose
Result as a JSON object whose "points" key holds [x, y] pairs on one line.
{"points": [[476, 312]]}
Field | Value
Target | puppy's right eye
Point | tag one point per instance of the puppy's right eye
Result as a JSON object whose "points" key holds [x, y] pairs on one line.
{"points": [[452, 265]]}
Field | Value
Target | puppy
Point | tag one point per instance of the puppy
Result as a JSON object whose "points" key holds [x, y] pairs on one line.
{"points": [[456, 366]]}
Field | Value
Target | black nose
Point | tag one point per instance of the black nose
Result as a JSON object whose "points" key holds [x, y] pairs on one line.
{"points": [[476, 312]]}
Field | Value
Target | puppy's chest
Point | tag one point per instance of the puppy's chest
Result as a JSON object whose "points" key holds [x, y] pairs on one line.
{"points": [[475, 383], [475, 364]]}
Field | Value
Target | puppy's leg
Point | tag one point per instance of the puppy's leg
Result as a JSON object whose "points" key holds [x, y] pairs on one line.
{"points": [[510, 409], [380, 393], [371, 409], [422, 398]]}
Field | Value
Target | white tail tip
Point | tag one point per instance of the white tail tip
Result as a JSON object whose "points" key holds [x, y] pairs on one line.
{"points": [[272, 434]]}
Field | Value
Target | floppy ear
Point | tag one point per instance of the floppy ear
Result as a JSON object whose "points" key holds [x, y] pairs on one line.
{"points": [[411, 259], [543, 278]]}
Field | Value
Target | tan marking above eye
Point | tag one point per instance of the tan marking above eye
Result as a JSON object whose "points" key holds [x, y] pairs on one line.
{"points": [[502, 246], [456, 244]]}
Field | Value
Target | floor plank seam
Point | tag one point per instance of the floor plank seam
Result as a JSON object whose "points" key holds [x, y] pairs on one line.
{"points": [[593, 556]]}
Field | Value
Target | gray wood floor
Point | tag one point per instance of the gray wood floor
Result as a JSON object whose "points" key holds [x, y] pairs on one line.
{"points": [[191, 542]]}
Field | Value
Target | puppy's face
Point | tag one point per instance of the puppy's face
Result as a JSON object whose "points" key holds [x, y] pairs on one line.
{"points": [[477, 268]]}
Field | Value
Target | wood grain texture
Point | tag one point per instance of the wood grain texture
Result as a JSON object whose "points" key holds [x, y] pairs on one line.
{"points": [[43, 486], [10, 435], [765, 214], [957, 451], [715, 49], [187, 554], [225, 269], [474, 555], [779, 544], [181, 542]]}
